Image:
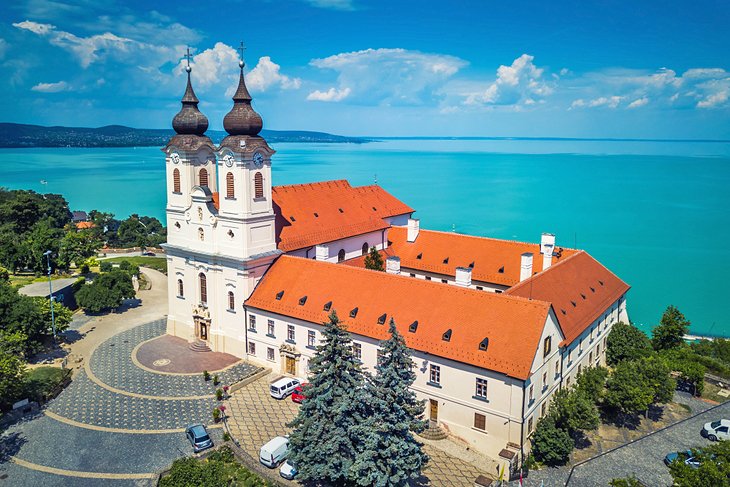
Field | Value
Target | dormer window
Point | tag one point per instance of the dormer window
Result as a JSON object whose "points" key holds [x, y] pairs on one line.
{"points": [[600, 282], [413, 327], [562, 311], [447, 335], [316, 215], [292, 218], [446, 260], [582, 295], [382, 318], [419, 256], [279, 295], [573, 303], [302, 300], [375, 209], [341, 210], [501, 270], [471, 266], [593, 290], [484, 344], [353, 313], [327, 305]]}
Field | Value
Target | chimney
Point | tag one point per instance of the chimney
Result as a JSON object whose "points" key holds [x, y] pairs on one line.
{"points": [[392, 265], [322, 252], [547, 245], [463, 276], [526, 266], [413, 228]]}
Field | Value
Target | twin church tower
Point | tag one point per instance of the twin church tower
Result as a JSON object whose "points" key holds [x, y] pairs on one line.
{"points": [[220, 221]]}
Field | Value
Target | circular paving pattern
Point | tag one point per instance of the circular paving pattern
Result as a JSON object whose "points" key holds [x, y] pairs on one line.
{"points": [[161, 362], [111, 363]]}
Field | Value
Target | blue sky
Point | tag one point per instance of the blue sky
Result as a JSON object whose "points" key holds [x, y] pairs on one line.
{"points": [[603, 68]]}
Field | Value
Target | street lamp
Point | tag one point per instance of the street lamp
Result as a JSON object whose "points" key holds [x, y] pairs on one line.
{"points": [[47, 253]]}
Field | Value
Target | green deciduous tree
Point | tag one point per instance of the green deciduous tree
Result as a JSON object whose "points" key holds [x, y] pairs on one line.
{"points": [[12, 371], [107, 291], [630, 481], [62, 316], [551, 444], [374, 261], [670, 331], [714, 469], [76, 247], [626, 342], [635, 385], [25, 315], [388, 454], [323, 443], [573, 410], [592, 382]]}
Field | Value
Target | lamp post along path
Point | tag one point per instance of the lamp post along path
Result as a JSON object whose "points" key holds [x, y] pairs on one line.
{"points": [[50, 296]]}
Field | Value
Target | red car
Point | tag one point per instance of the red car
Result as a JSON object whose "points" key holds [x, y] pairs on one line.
{"points": [[298, 395]]}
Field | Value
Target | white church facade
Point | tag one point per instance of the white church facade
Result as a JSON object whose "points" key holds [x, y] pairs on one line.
{"points": [[495, 326]]}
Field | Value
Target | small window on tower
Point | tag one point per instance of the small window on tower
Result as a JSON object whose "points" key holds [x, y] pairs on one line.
{"points": [[230, 191], [203, 177], [176, 181], [258, 183]]}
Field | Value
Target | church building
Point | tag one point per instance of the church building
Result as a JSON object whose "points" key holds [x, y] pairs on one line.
{"points": [[496, 326]]}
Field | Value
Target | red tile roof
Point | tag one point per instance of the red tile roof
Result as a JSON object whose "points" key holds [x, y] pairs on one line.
{"points": [[488, 255], [216, 200], [311, 214], [512, 324], [579, 288], [84, 225]]}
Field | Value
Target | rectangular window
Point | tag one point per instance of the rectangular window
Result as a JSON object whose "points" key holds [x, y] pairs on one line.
{"points": [[480, 288], [290, 333], [557, 368], [532, 393], [435, 375], [529, 426], [481, 391], [251, 348], [357, 351], [252, 323], [270, 354], [544, 381], [428, 278], [543, 409], [546, 346], [271, 327], [590, 358], [444, 281], [580, 347], [412, 274], [310, 338], [480, 421], [598, 351]]}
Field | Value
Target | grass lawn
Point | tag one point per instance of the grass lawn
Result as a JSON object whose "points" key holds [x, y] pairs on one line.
{"points": [[157, 263], [43, 382], [25, 278], [710, 392]]}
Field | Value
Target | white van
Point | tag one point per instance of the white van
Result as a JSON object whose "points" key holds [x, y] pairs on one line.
{"points": [[274, 452], [283, 387]]}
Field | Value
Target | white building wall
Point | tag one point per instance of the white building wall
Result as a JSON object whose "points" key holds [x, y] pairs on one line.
{"points": [[352, 246], [433, 276]]}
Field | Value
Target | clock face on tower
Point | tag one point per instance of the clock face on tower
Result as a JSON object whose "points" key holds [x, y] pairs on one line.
{"points": [[175, 157], [258, 159], [228, 159]]}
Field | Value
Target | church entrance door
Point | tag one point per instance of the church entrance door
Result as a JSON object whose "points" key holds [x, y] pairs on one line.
{"points": [[434, 410], [203, 331], [291, 366]]}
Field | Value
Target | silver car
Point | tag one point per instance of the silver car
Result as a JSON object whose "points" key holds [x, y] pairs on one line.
{"points": [[198, 437]]}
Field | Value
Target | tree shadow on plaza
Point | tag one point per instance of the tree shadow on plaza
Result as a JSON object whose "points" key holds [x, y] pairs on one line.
{"points": [[621, 420], [10, 445]]}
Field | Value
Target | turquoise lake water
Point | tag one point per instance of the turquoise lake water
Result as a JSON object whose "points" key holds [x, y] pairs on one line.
{"points": [[656, 213]]}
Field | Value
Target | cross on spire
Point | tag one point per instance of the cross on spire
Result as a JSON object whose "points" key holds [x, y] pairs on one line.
{"points": [[241, 50], [187, 57]]}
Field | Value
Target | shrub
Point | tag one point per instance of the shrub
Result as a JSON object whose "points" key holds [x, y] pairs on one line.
{"points": [[551, 445], [125, 265], [219, 394], [216, 381], [216, 414], [206, 375], [105, 266], [226, 436], [630, 481], [84, 269]]}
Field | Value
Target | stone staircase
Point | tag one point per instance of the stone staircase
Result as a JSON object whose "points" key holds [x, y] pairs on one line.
{"points": [[199, 346], [434, 432]]}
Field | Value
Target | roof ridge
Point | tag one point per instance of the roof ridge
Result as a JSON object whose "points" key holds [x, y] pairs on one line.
{"points": [[287, 187], [420, 282], [481, 237], [522, 284]]}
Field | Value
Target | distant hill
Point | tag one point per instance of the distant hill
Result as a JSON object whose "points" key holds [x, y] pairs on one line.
{"points": [[20, 135]]}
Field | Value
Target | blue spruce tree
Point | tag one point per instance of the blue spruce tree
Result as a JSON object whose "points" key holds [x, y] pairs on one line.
{"points": [[388, 453], [323, 443]]}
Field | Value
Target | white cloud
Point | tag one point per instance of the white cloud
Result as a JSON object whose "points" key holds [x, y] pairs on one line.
{"points": [[97, 47], [35, 27], [639, 102], [332, 94], [211, 66], [519, 82], [714, 100], [390, 76], [51, 87], [267, 73], [333, 4]]}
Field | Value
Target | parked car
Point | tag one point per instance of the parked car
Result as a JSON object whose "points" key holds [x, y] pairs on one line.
{"points": [[683, 456], [198, 437], [716, 430], [274, 452], [298, 394], [283, 387], [288, 470], [149, 254]]}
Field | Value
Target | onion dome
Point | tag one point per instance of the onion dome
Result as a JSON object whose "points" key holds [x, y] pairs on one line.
{"points": [[189, 120], [242, 119]]}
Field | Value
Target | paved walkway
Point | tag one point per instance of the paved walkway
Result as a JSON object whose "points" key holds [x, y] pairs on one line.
{"points": [[169, 354]]}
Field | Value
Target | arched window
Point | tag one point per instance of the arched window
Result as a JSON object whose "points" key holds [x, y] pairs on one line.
{"points": [[203, 288], [231, 301], [201, 234], [203, 177], [180, 289], [176, 181], [341, 255], [230, 192], [365, 248], [258, 184]]}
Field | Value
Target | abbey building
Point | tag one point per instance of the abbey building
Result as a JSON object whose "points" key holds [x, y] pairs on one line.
{"points": [[496, 326]]}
